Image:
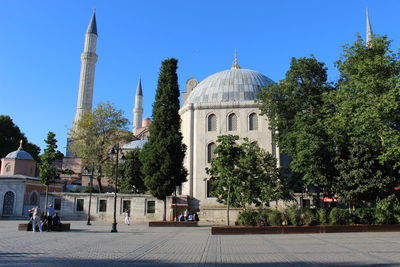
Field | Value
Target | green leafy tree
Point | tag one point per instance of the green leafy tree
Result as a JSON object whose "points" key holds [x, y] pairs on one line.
{"points": [[365, 122], [244, 174], [10, 136], [47, 172], [163, 155], [96, 133], [130, 173], [296, 110]]}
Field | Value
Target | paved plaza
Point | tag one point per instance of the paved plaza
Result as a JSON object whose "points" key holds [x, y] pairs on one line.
{"points": [[139, 245]]}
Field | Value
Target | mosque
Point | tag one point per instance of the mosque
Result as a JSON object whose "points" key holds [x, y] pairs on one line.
{"points": [[223, 103]]}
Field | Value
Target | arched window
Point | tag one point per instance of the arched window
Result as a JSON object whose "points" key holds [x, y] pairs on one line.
{"points": [[212, 123], [253, 122], [33, 200], [8, 204], [8, 167], [210, 151], [232, 122]]}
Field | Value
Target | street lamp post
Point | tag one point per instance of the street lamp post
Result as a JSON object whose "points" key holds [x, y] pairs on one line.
{"points": [[90, 194], [115, 150]]}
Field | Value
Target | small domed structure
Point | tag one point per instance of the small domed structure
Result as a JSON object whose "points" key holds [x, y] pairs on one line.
{"points": [[18, 162]]}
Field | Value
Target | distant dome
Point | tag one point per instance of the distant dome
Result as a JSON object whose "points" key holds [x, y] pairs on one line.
{"points": [[229, 85], [134, 144], [19, 154]]}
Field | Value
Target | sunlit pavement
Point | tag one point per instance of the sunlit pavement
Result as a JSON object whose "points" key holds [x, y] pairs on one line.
{"points": [[138, 245]]}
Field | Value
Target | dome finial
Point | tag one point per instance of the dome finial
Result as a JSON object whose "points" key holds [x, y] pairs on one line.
{"points": [[235, 65], [20, 144]]}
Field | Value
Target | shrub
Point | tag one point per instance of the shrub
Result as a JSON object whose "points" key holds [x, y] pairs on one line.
{"points": [[76, 189], [322, 216], [364, 216], [339, 216], [387, 210], [309, 217], [88, 189], [274, 217], [293, 215], [262, 217], [247, 217]]}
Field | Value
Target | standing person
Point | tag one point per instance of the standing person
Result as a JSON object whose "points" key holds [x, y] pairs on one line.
{"points": [[128, 217], [36, 218], [50, 213]]}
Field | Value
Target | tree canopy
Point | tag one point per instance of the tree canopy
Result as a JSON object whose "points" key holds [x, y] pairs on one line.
{"points": [[130, 174], [96, 133], [162, 156], [10, 136], [47, 172]]}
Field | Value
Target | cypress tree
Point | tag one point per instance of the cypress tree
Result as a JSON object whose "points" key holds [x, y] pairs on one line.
{"points": [[163, 155]]}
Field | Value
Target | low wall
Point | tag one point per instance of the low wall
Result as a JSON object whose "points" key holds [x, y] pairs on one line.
{"points": [[75, 206]]}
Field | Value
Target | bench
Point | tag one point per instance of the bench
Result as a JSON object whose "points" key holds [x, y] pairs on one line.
{"points": [[60, 227], [173, 224]]}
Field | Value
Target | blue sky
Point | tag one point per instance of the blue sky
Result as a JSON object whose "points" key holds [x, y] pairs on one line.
{"points": [[41, 43]]}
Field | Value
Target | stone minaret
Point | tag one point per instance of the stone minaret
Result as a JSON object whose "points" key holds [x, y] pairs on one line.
{"points": [[369, 31], [138, 110], [86, 82]]}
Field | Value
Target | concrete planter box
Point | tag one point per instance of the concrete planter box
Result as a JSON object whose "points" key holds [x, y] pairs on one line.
{"points": [[28, 227], [317, 229], [172, 224]]}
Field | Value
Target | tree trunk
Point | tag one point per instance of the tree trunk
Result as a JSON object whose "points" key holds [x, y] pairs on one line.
{"points": [[98, 178], [46, 200], [165, 209], [227, 202]]}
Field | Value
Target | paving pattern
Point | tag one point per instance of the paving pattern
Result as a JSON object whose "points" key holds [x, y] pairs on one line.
{"points": [[139, 245]]}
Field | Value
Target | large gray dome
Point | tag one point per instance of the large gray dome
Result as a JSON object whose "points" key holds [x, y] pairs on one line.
{"points": [[19, 154], [229, 85]]}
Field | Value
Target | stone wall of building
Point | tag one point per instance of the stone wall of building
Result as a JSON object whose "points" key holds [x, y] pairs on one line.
{"points": [[75, 206]]}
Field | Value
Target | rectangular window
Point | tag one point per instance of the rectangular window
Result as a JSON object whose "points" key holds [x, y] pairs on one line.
{"points": [[79, 205], [151, 206], [57, 203], [126, 205], [306, 203], [103, 205], [209, 188]]}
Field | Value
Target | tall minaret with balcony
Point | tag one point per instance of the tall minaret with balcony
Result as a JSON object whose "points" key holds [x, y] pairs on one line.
{"points": [[138, 109], [86, 81]]}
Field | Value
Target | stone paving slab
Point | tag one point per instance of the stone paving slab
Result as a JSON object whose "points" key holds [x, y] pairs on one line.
{"points": [[139, 245]]}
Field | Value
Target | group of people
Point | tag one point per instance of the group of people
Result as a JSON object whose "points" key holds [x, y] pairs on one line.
{"points": [[38, 218], [188, 217]]}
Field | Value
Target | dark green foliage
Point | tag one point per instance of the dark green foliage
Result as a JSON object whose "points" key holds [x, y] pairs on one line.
{"points": [[387, 210], [364, 216], [130, 176], [322, 216], [163, 155], [248, 171], [47, 172], [76, 189], [10, 136], [87, 190], [293, 215], [248, 217], [339, 216], [294, 107], [309, 217], [275, 217], [364, 121]]}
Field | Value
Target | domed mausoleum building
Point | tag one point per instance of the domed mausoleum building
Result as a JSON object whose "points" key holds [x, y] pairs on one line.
{"points": [[224, 103]]}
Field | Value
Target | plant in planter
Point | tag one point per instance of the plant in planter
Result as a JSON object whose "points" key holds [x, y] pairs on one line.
{"points": [[387, 211], [322, 216], [364, 216], [248, 218], [274, 217], [309, 217], [294, 215], [339, 216]]}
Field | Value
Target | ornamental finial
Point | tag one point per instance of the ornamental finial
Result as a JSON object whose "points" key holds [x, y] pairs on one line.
{"points": [[235, 65], [20, 144]]}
